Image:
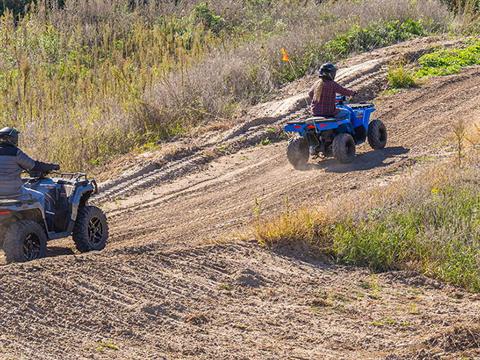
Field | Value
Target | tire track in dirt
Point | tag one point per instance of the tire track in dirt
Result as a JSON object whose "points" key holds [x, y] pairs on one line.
{"points": [[207, 202]]}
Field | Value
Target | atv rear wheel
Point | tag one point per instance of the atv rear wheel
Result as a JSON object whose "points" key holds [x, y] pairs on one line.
{"points": [[24, 240], [298, 153], [377, 134], [91, 229], [343, 148]]}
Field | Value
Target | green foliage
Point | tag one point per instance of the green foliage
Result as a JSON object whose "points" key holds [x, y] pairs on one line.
{"points": [[399, 77], [15, 6], [18, 7], [204, 15], [449, 61], [436, 232], [357, 39], [375, 35]]}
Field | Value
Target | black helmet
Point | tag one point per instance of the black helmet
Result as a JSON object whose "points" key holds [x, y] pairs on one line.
{"points": [[9, 135], [328, 71]]}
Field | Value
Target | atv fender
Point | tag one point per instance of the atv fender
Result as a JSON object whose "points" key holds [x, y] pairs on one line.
{"points": [[80, 198]]}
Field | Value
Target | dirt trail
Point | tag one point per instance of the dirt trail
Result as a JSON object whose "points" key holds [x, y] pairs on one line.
{"points": [[157, 292]]}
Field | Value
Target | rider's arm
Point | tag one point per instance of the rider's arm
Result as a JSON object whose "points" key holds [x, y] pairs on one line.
{"points": [[339, 89], [27, 163], [45, 167]]}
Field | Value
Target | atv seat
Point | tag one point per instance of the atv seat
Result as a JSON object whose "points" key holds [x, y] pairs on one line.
{"points": [[317, 119]]}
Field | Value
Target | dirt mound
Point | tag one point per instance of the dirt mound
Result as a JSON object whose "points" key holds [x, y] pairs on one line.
{"points": [[214, 189]]}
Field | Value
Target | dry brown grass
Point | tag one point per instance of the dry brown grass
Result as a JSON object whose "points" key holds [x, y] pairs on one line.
{"points": [[96, 79]]}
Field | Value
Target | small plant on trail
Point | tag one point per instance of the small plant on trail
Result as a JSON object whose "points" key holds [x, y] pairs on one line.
{"points": [[102, 346], [399, 77]]}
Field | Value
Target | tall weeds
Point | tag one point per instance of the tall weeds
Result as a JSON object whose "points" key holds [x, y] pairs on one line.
{"points": [[97, 78]]}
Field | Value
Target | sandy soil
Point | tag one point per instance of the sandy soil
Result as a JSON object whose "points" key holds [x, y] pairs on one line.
{"points": [[233, 301], [158, 291]]}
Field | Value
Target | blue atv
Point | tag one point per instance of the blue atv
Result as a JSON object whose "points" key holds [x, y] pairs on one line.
{"points": [[329, 136], [26, 224]]}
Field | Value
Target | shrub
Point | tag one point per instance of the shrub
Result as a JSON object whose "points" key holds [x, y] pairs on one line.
{"points": [[399, 77]]}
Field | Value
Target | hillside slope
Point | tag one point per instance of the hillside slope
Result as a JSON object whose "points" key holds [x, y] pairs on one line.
{"points": [[159, 292], [214, 185]]}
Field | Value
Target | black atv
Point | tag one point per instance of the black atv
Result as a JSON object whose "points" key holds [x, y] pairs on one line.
{"points": [[26, 225]]}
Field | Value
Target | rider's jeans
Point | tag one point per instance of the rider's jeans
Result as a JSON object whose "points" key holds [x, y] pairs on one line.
{"points": [[343, 115], [28, 193]]}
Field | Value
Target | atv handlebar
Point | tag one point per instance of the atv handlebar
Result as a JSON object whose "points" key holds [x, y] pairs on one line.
{"points": [[70, 176]]}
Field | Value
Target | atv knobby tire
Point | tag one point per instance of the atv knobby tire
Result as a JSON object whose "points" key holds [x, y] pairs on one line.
{"points": [[91, 229], [24, 240], [343, 148], [377, 134], [298, 153]]}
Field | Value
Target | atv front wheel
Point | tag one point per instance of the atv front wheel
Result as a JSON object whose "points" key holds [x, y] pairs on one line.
{"points": [[377, 134], [24, 240], [91, 229], [298, 153], [343, 148]]}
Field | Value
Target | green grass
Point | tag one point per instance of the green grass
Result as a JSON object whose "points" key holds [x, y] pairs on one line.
{"points": [[437, 234], [441, 238], [448, 61]]}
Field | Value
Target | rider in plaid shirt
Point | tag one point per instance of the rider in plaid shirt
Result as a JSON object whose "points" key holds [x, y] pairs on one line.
{"points": [[323, 94]]}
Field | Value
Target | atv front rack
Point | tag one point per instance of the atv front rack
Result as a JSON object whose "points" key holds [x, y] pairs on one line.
{"points": [[71, 176]]}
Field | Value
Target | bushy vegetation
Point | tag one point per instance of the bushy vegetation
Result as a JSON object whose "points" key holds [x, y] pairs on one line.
{"points": [[434, 230], [463, 5], [399, 77], [439, 237], [356, 39], [449, 61], [94, 79]]}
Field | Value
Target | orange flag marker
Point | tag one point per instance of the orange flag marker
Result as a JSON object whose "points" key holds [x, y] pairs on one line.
{"points": [[285, 56]]}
